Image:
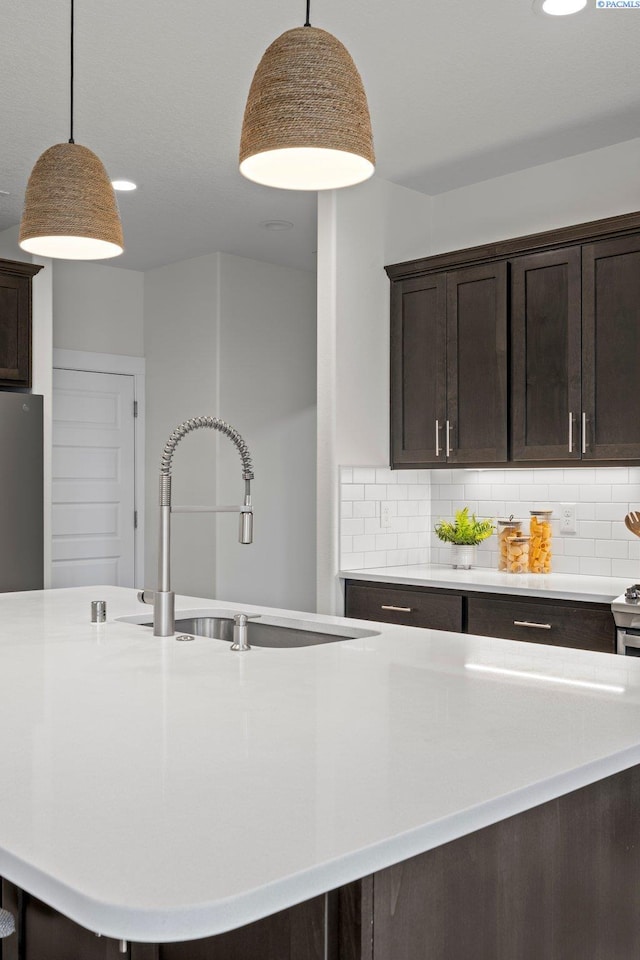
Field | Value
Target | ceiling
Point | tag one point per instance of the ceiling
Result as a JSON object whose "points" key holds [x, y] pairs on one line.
{"points": [[458, 92]]}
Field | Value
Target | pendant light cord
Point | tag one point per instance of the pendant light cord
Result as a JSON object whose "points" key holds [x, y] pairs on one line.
{"points": [[307, 22], [71, 140]]}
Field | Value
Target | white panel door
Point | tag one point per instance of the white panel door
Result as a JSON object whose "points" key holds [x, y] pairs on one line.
{"points": [[93, 479]]}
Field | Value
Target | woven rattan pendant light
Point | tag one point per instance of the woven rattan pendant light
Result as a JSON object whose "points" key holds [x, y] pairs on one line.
{"points": [[70, 209], [306, 123]]}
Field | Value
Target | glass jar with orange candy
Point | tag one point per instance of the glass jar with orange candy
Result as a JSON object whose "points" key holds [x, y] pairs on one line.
{"points": [[540, 542]]}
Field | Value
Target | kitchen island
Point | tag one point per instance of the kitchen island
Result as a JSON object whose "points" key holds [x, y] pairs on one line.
{"points": [[159, 792]]}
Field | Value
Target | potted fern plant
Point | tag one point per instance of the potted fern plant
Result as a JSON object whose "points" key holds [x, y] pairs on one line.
{"points": [[464, 534]]}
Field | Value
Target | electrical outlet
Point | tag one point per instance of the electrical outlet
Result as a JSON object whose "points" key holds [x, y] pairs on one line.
{"points": [[385, 515], [567, 518]]}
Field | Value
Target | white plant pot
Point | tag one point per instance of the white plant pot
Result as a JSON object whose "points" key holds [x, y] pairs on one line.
{"points": [[462, 556]]}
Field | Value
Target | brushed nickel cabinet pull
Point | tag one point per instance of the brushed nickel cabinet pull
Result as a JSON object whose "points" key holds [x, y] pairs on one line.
{"points": [[437, 439], [584, 433], [388, 606], [535, 626], [448, 439], [570, 432]]}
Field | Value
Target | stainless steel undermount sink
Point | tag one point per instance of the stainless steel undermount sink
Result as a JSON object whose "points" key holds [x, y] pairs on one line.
{"points": [[266, 631]]}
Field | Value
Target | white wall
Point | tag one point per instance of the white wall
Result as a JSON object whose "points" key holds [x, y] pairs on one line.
{"points": [[235, 338], [590, 186], [97, 308], [180, 340], [267, 390], [359, 231]]}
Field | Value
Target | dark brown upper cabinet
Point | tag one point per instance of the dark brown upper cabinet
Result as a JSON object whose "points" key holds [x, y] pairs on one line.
{"points": [[611, 349], [449, 368], [546, 403], [418, 370], [15, 322], [573, 314]]}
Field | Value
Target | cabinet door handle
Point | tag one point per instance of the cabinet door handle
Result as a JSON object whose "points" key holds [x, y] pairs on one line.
{"points": [[584, 432], [570, 432], [437, 438], [534, 626], [448, 438], [388, 606]]}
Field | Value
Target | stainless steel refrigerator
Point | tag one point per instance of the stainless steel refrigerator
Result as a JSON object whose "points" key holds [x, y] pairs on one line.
{"points": [[21, 492]]}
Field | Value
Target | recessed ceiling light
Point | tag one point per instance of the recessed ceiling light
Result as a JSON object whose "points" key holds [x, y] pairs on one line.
{"points": [[277, 225], [559, 8], [124, 185]]}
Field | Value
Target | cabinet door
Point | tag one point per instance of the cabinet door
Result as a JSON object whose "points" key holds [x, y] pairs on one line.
{"points": [[611, 349], [545, 356], [477, 364], [418, 367], [15, 330]]}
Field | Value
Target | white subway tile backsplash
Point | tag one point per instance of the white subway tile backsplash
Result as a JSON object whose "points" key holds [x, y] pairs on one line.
{"points": [[623, 492], [609, 511], [594, 528], [352, 527], [408, 540], [352, 561], [365, 543], [386, 541], [397, 558], [626, 568], [594, 567], [385, 475], [364, 508], [419, 498], [566, 564], [612, 475], [614, 549], [576, 547], [364, 475], [597, 492], [352, 491], [375, 491], [375, 559]]}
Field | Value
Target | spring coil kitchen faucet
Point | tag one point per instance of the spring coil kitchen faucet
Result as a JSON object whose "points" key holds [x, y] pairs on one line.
{"points": [[163, 599]]}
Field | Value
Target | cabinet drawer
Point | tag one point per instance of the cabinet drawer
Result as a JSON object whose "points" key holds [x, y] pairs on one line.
{"points": [[414, 608], [581, 625]]}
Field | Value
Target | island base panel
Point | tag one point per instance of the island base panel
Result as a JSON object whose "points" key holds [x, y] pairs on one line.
{"points": [[558, 882]]}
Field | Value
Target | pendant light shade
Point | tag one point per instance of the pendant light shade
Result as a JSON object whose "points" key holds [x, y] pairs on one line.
{"points": [[306, 123], [70, 209]]}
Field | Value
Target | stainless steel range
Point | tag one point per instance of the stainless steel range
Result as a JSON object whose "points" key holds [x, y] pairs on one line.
{"points": [[626, 613]]}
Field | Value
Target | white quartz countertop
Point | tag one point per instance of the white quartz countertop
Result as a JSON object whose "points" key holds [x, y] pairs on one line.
{"points": [[158, 790], [558, 586]]}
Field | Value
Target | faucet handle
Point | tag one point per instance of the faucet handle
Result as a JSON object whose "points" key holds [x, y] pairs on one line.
{"points": [[145, 596]]}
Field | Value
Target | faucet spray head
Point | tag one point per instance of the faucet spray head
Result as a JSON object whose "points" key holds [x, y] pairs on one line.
{"points": [[246, 528]]}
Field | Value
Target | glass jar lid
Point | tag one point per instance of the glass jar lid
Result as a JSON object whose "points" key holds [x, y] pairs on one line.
{"points": [[541, 513]]}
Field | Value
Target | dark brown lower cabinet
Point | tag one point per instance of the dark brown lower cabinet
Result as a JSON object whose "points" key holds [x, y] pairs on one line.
{"points": [[561, 623], [557, 882], [389, 603], [582, 626]]}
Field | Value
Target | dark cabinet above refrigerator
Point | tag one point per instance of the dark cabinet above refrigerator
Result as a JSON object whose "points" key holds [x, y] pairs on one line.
{"points": [[15, 322]]}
